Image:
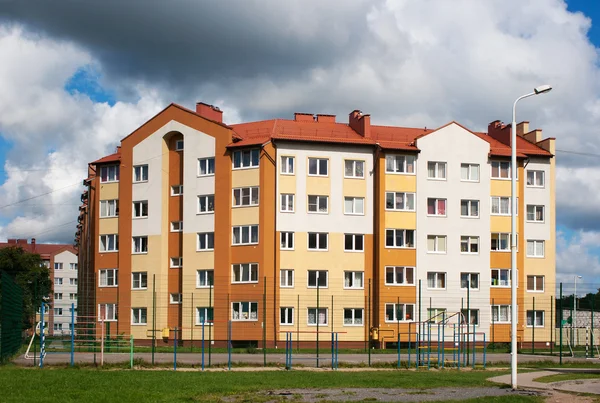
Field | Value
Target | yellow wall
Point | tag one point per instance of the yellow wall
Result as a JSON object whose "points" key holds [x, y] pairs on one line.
{"points": [[245, 177], [244, 215], [397, 182], [108, 225]]}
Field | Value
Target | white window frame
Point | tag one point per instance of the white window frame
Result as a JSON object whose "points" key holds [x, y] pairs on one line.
{"points": [[354, 238], [240, 311], [286, 238], [319, 169], [499, 276], [252, 163], [175, 298], [318, 241], [534, 315], [354, 201], [107, 311], [438, 277], [353, 312], [206, 164], [535, 277], [179, 145], [536, 208], [176, 262], [240, 230], [58, 311], [287, 203], [405, 231], [208, 312], [176, 226], [351, 276], [138, 242], [177, 190], [106, 206], [286, 167], [250, 268], [58, 296], [470, 282], [107, 243], [394, 271], [140, 173], [73, 266], [115, 278], [405, 314], [436, 314], [406, 196], [110, 178], [141, 204], [252, 201], [58, 281], [534, 174], [499, 164], [287, 278], [318, 275], [436, 167], [469, 240], [73, 296], [469, 315], [139, 277], [205, 278], [209, 204], [288, 313], [469, 167], [469, 203], [136, 316], [58, 266], [436, 207], [209, 237], [436, 239], [501, 235], [535, 243], [354, 167], [500, 199], [317, 204], [317, 315], [400, 163], [72, 281]]}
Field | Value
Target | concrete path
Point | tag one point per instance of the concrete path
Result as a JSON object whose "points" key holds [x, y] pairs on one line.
{"points": [[526, 381]]}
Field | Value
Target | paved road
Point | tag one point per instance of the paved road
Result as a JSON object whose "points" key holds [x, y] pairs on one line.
{"points": [[526, 380]]}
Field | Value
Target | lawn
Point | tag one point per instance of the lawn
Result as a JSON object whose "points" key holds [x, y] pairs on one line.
{"points": [[92, 385], [566, 377]]}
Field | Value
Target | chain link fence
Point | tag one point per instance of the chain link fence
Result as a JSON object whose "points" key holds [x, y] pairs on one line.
{"points": [[11, 316]]}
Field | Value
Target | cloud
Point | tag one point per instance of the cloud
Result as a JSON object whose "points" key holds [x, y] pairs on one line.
{"points": [[577, 254]]}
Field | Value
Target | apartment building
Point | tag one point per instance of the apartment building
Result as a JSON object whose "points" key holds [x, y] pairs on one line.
{"points": [[315, 226], [61, 260]]}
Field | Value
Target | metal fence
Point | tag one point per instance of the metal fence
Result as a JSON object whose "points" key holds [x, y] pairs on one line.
{"points": [[11, 316]]}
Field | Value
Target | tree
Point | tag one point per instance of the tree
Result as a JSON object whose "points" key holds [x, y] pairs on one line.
{"points": [[29, 272]]}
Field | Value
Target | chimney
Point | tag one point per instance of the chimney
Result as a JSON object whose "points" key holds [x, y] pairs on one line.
{"points": [[33, 243], [534, 136], [522, 128], [12, 241], [325, 118], [22, 241], [499, 132], [360, 123], [210, 112], [304, 117]]}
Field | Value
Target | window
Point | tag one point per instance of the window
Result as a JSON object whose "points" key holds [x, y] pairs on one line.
{"points": [[286, 316], [58, 266], [206, 166], [317, 204], [206, 204], [140, 244], [469, 172], [400, 201], [139, 316], [109, 173], [469, 244], [322, 315], [469, 208], [436, 315], [108, 278], [245, 197], [176, 226], [500, 242], [246, 158], [500, 170], [470, 316], [72, 281], [399, 238], [179, 145], [139, 280], [140, 173], [140, 209], [535, 318], [535, 283], [287, 203], [501, 205], [469, 280], [354, 169], [176, 190], [500, 277], [109, 243], [353, 316], [58, 326], [535, 213], [245, 235], [318, 166], [535, 179], [317, 240], [436, 207], [436, 280], [204, 315], [354, 279], [436, 170], [73, 266], [58, 311], [109, 208], [176, 262], [399, 312], [399, 275], [354, 205], [175, 298], [107, 312], [73, 296], [58, 296], [287, 165], [206, 241], [286, 278], [245, 273], [353, 243], [287, 240], [317, 278], [205, 278], [436, 243], [403, 164], [244, 311], [58, 281], [535, 248]]}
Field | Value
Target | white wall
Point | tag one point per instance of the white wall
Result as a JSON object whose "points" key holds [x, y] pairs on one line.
{"points": [[538, 196], [66, 258]]}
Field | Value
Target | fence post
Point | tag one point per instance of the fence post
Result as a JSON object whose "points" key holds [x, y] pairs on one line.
{"points": [[210, 308], [493, 324], [561, 324], [102, 344], [264, 321], [175, 350], [42, 338], [317, 318], [131, 351], [229, 344], [72, 334], [593, 297], [153, 316], [551, 325], [191, 325], [532, 327], [369, 325]]}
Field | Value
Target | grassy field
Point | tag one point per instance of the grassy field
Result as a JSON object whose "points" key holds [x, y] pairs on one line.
{"points": [[90, 385], [566, 377]]}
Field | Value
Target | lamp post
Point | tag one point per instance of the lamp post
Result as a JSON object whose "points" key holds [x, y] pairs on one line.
{"points": [[574, 318], [513, 244]]}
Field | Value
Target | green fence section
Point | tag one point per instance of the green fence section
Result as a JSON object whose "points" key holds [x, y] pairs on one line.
{"points": [[11, 316]]}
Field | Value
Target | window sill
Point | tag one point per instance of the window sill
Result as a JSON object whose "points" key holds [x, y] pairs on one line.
{"points": [[205, 212], [500, 250], [469, 217], [399, 285], [400, 210], [205, 324], [177, 195], [500, 179], [139, 218], [317, 250], [244, 244], [536, 291], [245, 205], [317, 176], [116, 216], [437, 215], [204, 176], [139, 253], [244, 320], [353, 288], [354, 251], [137, 324], [436, 289], [206, 287], [471, 289], [244, 168], [286, 324], [287, 211], [353, 325], [175, 267], [399, 247], [290, 287], [318, 212], [320, 324], [536, 326], [205, 250], [244, 282], [400, 173], [469, 180], [536, 187], [500, 286], [436, 179], [469, 253], [535, 221], [354, 177], [109, 181], [398, 321], [315, 287], [288, 249], [109, 251], [437, 253], [287, 173], [136, 182], [534, 257], [102, 286], [139, 289], [355, 214]]}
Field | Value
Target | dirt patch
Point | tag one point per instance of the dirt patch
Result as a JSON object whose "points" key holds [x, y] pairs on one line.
{"points": [[559, 397]]}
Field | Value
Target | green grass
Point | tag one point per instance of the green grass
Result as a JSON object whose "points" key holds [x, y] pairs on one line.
{"points": [[89, 385], [566, 377]]}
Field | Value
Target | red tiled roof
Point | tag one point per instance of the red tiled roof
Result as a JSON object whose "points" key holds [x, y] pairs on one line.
{"points": [[497, 148], [43, 249], [116, 157]]}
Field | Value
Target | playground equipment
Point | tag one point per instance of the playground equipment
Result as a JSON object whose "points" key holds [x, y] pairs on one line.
{"points": [[289, 339]]}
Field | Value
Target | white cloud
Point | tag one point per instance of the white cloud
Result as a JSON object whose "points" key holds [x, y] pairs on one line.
{"points": [[577, 255]]}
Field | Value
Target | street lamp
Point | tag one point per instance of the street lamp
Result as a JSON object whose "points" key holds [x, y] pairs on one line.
{"points": [[574, 318], [513, 244]]}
